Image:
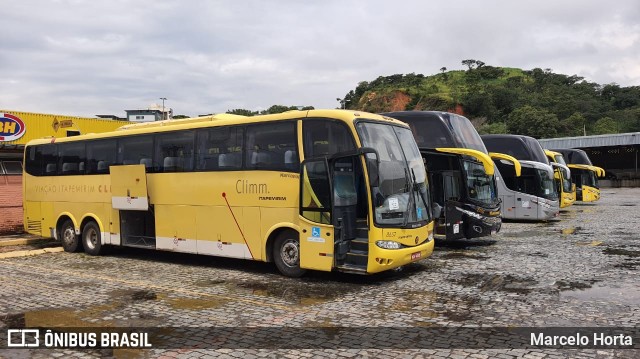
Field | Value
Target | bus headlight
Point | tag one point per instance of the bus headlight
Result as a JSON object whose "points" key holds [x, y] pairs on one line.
{"points": [[430, 237], [388, 244]]}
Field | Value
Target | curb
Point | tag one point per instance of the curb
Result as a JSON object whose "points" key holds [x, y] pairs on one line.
{"points": [[21, 241], [32, 252]]}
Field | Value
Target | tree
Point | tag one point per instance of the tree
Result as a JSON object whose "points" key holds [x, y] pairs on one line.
{"points": [[443, 69], [534, 122], [242, 112], [573, 125], [493, 128], [470, 63], [605, 125]]}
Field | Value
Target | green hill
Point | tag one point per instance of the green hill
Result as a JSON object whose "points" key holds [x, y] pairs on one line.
{"points": [[535, 102]]}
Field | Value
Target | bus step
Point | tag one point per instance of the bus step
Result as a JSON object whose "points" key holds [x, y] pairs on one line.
{"points": [[350, 268], [360, 244], [362, 232], [357, 258]]}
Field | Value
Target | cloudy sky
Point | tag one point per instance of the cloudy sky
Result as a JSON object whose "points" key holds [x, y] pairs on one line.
{"points": [[91, 57]]}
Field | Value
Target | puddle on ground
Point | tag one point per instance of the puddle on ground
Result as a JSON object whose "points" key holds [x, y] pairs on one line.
{"points": [[495, 282], [573, 285], [589, 244], [195, 303], [304, 291], [570, 230], [629, 295], [621, 252]]}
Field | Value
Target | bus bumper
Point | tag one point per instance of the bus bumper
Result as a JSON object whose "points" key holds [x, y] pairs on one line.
{"points": [[481, 227], [381, 259]]}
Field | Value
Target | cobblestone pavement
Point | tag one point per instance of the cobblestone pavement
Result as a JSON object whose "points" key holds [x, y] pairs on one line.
{"points": [[580, 270]]}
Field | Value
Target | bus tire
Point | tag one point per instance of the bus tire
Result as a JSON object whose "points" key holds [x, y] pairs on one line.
{"points": [[286, 254], [92, 239], [68, 238]]}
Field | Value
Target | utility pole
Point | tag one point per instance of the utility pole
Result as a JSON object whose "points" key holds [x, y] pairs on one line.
{"points": [[164, 117]]}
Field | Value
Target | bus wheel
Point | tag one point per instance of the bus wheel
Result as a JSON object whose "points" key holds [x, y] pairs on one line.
{"points": [[286, 254], [91, 239], [68, 237]]}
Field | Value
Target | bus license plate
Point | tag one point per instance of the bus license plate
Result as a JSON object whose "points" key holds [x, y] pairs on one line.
{"points": [[415, 255]]}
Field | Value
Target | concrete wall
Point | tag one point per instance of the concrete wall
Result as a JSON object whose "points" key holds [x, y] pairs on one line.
{"points": [[619, 183], [10, 204]]}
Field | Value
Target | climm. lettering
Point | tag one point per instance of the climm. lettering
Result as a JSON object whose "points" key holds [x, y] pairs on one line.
{"points": [[246, 187]]}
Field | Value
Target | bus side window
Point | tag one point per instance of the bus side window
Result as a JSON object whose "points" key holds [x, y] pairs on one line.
{"points": [[219, 148], [133, 150], [267, 144], [100, 155], [174, 151], [324, 137]]}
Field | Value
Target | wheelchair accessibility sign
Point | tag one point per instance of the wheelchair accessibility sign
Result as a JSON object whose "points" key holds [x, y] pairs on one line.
{"points": [[315, 235]]}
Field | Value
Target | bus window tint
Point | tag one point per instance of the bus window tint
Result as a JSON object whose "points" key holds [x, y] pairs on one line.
{"points": [[49, 159], [136, 150], [100, 155], [33, 160], [325, 138], [219, 148], [174, 151], [268, 146], [71, 158]]}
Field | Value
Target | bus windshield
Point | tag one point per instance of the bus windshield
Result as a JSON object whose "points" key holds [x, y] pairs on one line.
{"points": [[466, 133], [559, 159], [480, 186], [566, 180], [401, 197], [547, 188]]}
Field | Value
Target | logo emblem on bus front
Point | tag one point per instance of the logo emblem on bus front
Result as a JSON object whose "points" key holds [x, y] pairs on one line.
{"points": [[11, 127]]}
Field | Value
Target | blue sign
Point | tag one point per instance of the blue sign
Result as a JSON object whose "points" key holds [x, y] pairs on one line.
{"points": [[315, 231]]}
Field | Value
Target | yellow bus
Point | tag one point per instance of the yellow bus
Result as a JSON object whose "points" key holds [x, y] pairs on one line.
{"points": [[583, 173], [562, 177], [321, 189]]}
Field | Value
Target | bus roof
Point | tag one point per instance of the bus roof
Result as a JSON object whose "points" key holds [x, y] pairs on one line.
{"points": [[524, 148], [221, 120], [575, 156], [433, 129]]}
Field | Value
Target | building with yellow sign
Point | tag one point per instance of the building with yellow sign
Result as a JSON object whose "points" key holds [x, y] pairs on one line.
{"points": [[16, 129]]}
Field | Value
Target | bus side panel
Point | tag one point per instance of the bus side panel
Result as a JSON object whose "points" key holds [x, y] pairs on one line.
{"points": [[525, 208], [33, 219], [251, 229], [114, 227], [217, 232], [176, 228], [270, 217]]}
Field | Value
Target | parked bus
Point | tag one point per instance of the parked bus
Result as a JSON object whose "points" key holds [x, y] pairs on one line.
{"points": [[321, 189], [583, 173], [533, 195], [562, 176], [460, 173]]}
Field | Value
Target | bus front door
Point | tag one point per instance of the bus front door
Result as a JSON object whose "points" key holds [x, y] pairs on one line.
{"points": [[453, 223], [315, 219]]}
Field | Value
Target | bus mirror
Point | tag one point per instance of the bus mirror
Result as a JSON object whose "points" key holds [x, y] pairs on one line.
{"points": [[437, 210], [366, 150], [373, 166]]}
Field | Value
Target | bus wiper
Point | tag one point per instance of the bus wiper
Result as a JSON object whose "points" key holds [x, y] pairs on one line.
{"points": [[415, 183], [410, 203]]}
